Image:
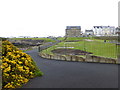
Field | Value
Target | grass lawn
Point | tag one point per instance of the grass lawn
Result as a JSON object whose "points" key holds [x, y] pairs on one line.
{"points": [[46, 39], [61, 38], [76, 38], [97, 47], [82, 38]]}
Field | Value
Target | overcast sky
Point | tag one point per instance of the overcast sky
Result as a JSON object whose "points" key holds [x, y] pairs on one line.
{"points": [[50, 17]]}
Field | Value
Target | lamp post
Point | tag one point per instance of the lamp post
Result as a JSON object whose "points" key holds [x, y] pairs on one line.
{"points": [[39, 48], [84, 45], [65, 48], [118, 45]]}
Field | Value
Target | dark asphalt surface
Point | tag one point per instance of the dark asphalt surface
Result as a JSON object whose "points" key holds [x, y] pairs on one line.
{"points": [[47, 46], [63, 74]]}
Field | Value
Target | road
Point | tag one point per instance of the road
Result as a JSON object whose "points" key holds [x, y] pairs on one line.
{"points": [[63, 74]]}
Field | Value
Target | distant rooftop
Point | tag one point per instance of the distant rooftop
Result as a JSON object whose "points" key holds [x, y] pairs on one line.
{"points": [[73, 27], [88, 30], [103, 26]]}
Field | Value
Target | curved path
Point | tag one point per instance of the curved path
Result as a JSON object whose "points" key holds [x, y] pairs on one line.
{"points": [[63, 74]]}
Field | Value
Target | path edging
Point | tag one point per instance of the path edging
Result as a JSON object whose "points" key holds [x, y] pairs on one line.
{"points": [[87, 58]]}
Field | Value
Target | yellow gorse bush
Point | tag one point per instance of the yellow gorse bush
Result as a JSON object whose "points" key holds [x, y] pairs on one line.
{"points": [[17, 66]]}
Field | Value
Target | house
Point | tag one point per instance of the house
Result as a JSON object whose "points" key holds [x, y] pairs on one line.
{"points": [[89, 32], [73, 31], [104, 30], [117, 29]]}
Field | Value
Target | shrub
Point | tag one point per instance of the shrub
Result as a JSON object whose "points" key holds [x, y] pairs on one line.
{"points": [[17, 67]]}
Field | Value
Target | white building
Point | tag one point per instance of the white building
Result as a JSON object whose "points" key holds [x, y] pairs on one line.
{"points": [[89, 32], [24, 37], [117, 29], [104, 30]]}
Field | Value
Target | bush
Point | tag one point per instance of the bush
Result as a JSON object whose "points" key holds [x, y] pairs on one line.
{"points": [[17, 67]]}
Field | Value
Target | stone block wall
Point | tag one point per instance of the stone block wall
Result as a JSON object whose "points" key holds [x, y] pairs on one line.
{"points": [[88, 58]]}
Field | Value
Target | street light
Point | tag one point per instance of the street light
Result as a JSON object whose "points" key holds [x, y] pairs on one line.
{"points": [[39, 48], [84, 45], [118, 45]]}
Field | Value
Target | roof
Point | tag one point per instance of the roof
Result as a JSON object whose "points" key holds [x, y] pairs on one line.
{"points": [[103, 26], [88, 30], [97, 26], [70, 27]]}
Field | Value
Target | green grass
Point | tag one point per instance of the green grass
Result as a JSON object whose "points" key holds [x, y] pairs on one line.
{"points": [[46, 39], [82, 38], [48, 51], [97, 47], [37, 71], [76, 38], [61, 38]]}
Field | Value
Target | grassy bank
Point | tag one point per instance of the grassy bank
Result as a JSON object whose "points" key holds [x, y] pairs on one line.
{"points": [[97, 47], [45, 39], [61, 38], [76, 38]]}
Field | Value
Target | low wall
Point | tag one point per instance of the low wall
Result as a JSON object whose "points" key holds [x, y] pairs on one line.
{"points": [[88, 58], [92, 58], [62, 57]]}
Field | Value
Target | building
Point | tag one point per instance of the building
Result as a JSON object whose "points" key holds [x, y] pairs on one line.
{"points": [[104, 30], [24, 37], [118, 33], [73, 31], [117, 29], [89, 32]]}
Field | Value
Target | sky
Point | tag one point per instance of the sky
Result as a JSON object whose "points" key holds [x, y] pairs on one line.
{"points": [[42, 18]]}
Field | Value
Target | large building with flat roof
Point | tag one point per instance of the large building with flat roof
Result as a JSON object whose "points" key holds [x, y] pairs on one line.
{"points": [[73, 31]]}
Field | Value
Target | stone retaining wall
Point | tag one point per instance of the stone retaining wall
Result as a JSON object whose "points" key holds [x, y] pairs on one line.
{"points": [[92, 58], [88, 58]]}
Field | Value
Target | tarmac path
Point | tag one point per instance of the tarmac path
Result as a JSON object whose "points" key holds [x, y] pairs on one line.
{"points": [[64, 74]]}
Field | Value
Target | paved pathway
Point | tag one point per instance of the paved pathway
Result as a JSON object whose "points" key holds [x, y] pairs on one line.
{"points": [[49, 45], [63, 74]]}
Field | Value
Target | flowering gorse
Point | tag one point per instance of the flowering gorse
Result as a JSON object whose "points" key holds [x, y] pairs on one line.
{"points": [[17, 67]]}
